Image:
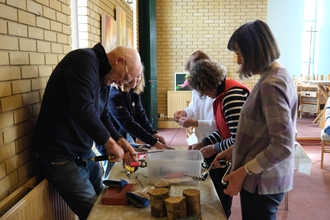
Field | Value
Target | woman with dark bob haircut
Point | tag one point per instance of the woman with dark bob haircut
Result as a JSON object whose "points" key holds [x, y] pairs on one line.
{"points": [[263, 153]]}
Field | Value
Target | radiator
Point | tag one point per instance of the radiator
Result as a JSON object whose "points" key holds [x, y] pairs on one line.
{"points": [[177, 100], [42, 202]]}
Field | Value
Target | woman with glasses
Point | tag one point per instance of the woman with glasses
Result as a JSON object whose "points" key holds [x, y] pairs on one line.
{"points": [[129, 115], [229, 96]]}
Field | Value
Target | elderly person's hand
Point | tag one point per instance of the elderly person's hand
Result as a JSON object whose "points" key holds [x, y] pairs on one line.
{"points": [[161, 139], [178, 114], [114, 149], [197, 146], [160, 146], [130, 154], [224, 155], [187, 122], [235, 181], [208, 151]]}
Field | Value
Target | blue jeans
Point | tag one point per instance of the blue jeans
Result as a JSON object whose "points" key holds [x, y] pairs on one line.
{"points": [[107, 167], [79, 186], [255, 206]]}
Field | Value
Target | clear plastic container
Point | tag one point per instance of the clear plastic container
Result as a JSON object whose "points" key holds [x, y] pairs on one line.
{"points": [[170, 165]]}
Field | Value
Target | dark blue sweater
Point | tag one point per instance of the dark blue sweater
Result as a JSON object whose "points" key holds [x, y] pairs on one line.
{"points": [[129, 116], [74, 109]]}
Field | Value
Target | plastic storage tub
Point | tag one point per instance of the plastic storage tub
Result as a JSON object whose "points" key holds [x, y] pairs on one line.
{"points": [[170, 165]]}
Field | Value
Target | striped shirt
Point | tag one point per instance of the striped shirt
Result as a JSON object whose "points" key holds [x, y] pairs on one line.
{"points": [[232, 103]]}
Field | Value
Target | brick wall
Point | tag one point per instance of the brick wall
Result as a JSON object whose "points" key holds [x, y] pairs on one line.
{"points": [[184, 26], [34, 36]]}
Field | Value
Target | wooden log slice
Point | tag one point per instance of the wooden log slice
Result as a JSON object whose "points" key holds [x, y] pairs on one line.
{"points": [[193, 202], [163, 184], [176, 207], [157, 197]]}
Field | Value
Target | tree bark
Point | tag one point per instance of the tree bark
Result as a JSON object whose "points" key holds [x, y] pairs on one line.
{"points": [[176, 207], [193, 202], [157, 197]]}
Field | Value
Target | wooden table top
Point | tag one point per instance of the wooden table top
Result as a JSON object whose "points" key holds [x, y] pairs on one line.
{"points": [[210, 204]]}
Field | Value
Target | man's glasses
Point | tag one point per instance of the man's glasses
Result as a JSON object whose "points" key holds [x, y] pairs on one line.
{"points": [[127, 77]]}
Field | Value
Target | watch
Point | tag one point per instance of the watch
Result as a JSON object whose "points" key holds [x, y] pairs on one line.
{"points": [[248, 172]]}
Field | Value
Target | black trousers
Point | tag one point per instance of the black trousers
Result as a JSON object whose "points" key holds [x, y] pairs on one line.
{"points": [[255, 206], [216, 176]]}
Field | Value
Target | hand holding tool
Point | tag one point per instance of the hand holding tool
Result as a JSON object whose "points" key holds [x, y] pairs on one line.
{"points": [[103, 157], [112, 157], [224, 183], [82, 161]]}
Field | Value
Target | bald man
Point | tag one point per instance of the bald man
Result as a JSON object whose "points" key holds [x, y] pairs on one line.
{"points": [[73, 114]]}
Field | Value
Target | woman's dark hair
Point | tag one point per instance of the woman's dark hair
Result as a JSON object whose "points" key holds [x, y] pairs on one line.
{"points": [[206, 75], [257, 45], [197, 55]]}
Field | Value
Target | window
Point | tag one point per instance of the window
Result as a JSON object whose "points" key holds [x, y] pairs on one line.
{"points": [[309, 40]]}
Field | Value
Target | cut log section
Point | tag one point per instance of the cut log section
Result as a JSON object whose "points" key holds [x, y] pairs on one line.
{"points": [[176, 207], [193, 202], [163, 184], [157, 197]]}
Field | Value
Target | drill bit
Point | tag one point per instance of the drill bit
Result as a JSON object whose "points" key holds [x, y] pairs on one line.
{"points": [[139, 181]]}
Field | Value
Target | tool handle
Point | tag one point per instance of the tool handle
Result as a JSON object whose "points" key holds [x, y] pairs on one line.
{"points": [[103, 157], [224, 162], [134, 164], [138, 164], [225, 183]]}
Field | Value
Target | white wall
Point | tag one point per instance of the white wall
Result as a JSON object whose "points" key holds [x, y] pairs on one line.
{"points": [[285, 19]]}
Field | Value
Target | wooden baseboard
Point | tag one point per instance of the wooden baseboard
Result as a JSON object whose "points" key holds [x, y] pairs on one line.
{"points": [[167, 124], [308, 139]]}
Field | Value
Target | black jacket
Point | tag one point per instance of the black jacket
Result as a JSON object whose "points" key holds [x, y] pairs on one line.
{"points": [[74, 109], [129, 116]]}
